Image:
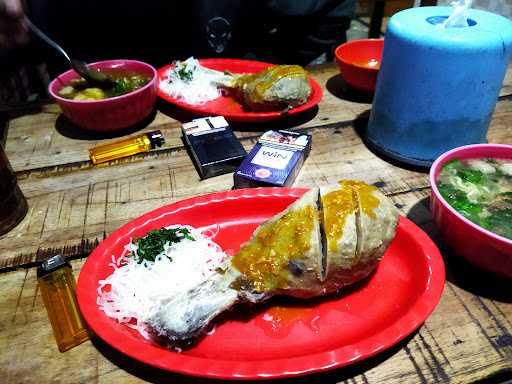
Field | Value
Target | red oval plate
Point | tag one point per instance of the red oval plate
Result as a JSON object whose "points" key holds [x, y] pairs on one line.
{"points": [[229, 107], [286, 340]]}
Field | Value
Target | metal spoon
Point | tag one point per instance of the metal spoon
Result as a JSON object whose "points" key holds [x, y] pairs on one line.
{"points": [[93, 77]]}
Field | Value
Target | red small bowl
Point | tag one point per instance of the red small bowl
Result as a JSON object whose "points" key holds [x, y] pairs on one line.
{"points": [[354, 58], [479, 246], [112, 113]]}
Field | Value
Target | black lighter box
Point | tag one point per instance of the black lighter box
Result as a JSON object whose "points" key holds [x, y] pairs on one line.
{"points": [[214, 147], [274, 161]]}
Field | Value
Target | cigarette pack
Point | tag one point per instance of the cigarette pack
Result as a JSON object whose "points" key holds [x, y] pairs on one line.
{"points": [[274, 161], [213, 146]]}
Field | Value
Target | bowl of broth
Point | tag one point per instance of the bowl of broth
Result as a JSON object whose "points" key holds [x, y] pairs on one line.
{"points": [[359, 62], [130, 100], [471, 204]]}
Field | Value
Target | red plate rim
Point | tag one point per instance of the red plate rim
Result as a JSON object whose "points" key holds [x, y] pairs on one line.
{"points": [[151, 354], [314, 99]]}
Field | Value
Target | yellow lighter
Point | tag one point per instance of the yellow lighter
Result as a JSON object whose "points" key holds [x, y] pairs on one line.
{"points": [[126, 147], [57, 286]]}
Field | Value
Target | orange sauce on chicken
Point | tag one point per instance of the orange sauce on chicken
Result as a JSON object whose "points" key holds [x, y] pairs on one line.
{"points": [[268, 77], [340, 204], [343, 202], [264, 262], [367, 200]]}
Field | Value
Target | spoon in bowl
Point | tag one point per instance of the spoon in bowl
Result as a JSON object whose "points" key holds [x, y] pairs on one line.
{"points": [[93, 77]]}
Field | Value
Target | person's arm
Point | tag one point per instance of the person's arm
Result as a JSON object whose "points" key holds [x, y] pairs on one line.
{"points": [[13, 30]]}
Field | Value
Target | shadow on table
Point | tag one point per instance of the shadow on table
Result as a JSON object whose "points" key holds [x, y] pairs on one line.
{"points": [[337, 87], [458, 271], [286, 122], [67, 128], [503, 376], [361, 125]]}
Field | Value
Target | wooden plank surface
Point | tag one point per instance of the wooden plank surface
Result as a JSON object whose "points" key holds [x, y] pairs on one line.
{"points": [[73, 206]]}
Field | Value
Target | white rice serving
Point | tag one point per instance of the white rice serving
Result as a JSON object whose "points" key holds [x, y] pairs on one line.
{"points": [[133, 292], [190, 82]]}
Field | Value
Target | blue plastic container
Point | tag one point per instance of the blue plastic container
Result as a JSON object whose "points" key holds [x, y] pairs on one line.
{"points": [[437, 87]]}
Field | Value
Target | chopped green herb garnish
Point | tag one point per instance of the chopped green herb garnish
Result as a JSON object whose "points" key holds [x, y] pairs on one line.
{"points": [[153, 244], [184, 73]]}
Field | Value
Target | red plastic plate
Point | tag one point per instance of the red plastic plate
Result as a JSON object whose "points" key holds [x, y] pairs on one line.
{"points": [[229, 107], [285, 337]]}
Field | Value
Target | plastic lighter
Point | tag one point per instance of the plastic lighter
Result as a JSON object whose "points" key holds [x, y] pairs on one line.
{"points": [[126, 147], [57, 286]]}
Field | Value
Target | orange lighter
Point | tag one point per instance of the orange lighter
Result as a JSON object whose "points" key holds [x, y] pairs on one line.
{"points": [[57, 286]]}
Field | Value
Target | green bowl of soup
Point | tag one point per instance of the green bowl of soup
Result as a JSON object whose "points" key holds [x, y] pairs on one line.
{"points": [[471, 204]]}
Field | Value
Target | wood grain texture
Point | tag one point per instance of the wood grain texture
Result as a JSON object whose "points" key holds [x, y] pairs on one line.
{"points": [[74, 205]]}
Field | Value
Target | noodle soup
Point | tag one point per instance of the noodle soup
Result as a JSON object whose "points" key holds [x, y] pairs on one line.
{"points": [[480, 190]]}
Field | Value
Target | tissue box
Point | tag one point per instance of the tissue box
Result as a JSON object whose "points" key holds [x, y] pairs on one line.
{"points": [[274, 161], [213, 146]]}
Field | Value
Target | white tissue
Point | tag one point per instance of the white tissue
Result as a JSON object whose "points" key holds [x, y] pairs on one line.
{"points": [[459, 16]]}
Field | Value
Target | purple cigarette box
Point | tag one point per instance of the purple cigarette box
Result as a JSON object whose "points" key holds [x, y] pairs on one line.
{"points": [[274, 161]]}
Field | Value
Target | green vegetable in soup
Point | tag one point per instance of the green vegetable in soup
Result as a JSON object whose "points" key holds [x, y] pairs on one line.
{"points": [[127, 84], [124, 82], [481, 190], [458, 200], [471, 176]]}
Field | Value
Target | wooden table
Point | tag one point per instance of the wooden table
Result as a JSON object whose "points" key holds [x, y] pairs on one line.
{"points": [[74, 205]]}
